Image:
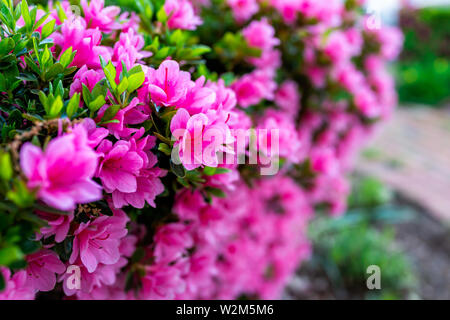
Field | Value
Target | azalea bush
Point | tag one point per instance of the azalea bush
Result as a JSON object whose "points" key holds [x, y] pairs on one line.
{"points": [[173, 149]]}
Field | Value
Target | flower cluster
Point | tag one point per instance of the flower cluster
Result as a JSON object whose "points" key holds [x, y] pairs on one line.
{"points": [[132, 143]]}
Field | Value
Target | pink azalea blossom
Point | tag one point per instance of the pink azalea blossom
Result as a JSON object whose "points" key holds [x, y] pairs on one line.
{"points": [[243, 9], [98, 241], [127, 171], [16, 287], [62, 174], [260, 34], [287, 97], [58, 225], [85, 76], [199, 98], [97, 16], [200, 137], [42, 269], [181, 15], [86, 43], [253, 87], [167, 86], [129, 50]]}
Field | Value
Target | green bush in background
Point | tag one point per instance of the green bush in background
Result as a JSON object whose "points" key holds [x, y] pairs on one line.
{"points": [[423, 70]]}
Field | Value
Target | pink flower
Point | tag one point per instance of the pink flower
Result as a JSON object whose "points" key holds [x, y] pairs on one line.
{"points": [[42, 269], [58, 225], [16, 287], [127, 171], [133, 114], [199, 98], [171, 242], [94, 134], [287, 97], [119, 166], [86, 43], [366, 102], [87, 77], [167, 85], [200, 137], [324, 160], [338, 48], [181, 15], [243, 9], [288, 9], [98, 241], [129, 50], [260, 34], [225, 97], [253, 87], [97, 16], [62, 174], [161, 282], [277, 136]]}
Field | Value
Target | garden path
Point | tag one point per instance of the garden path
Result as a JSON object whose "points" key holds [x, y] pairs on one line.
{"points": [[412, 155]]}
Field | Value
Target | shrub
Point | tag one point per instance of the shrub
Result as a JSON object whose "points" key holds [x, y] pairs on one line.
{"points": [[123, 163]]}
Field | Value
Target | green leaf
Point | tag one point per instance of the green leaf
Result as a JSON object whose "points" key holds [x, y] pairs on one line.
{"points": [[48, 29], [26, 15], [9, 255], [67, 57], [164, 148], [199, 50], [218, 193], [209, 171], [45, 208], [110, 113], [73, 105], [110, 74], [178, 169], [222, 170], [135, 81], [161, 15], [6, 46], [56, 107], [6, 171], [97, 103], [122, 86], [54, 71], [44, 100]]}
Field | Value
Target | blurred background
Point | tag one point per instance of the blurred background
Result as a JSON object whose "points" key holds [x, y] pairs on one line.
{"points": [[399, 210]]}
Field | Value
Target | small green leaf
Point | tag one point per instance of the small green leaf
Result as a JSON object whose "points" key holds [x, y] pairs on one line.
{"points": [[56, 107], [209, 171], [9, 255], [97, 103], [26, 15], [178, 169], [161, 15], [6, 171], [135, 81], [73, 105], [122, 86], [48, 29], [164, 148], [218, 193], [66, 57]]}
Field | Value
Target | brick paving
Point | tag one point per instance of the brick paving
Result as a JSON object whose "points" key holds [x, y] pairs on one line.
{"points": [[412, 155]]}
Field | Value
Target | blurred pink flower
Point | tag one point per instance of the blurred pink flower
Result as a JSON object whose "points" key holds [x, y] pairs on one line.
{"points": [[181, 15], [62, 174], [16, 287]]}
